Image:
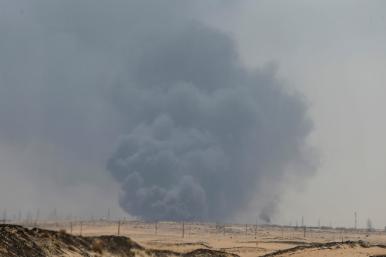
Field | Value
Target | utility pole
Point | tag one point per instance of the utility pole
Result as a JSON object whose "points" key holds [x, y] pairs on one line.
{"points": [[256, 228], [356, 220], [37, 217], [183, 229], [5, 216], [55, 216], [119, 227]]}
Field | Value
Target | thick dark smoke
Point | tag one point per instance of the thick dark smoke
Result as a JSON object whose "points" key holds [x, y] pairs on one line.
{"points": [[200, 137], [205, 131]]}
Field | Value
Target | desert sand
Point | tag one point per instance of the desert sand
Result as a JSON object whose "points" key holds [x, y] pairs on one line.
{"points": [[235, 239]]}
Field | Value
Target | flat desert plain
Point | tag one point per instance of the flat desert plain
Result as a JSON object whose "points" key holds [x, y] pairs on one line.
{"points": [[235, 239]]}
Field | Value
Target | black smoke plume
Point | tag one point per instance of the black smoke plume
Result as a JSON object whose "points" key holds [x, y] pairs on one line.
{"points": [[204, 131]]}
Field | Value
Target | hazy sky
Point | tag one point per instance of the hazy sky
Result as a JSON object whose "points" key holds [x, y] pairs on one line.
{"points": [[335, 54], [331, 52]]}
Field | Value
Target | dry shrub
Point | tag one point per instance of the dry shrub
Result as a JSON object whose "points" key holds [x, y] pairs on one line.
{"points": [[97, 246]]}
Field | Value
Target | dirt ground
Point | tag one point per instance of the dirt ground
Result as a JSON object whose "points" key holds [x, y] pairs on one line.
{"points": [[242, 240]]}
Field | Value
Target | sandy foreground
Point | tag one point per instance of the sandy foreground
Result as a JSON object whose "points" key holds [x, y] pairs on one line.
{"points": [[241, 240]]}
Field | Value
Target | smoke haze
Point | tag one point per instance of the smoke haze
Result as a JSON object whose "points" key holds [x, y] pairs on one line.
{"points": [[197, 135]]}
